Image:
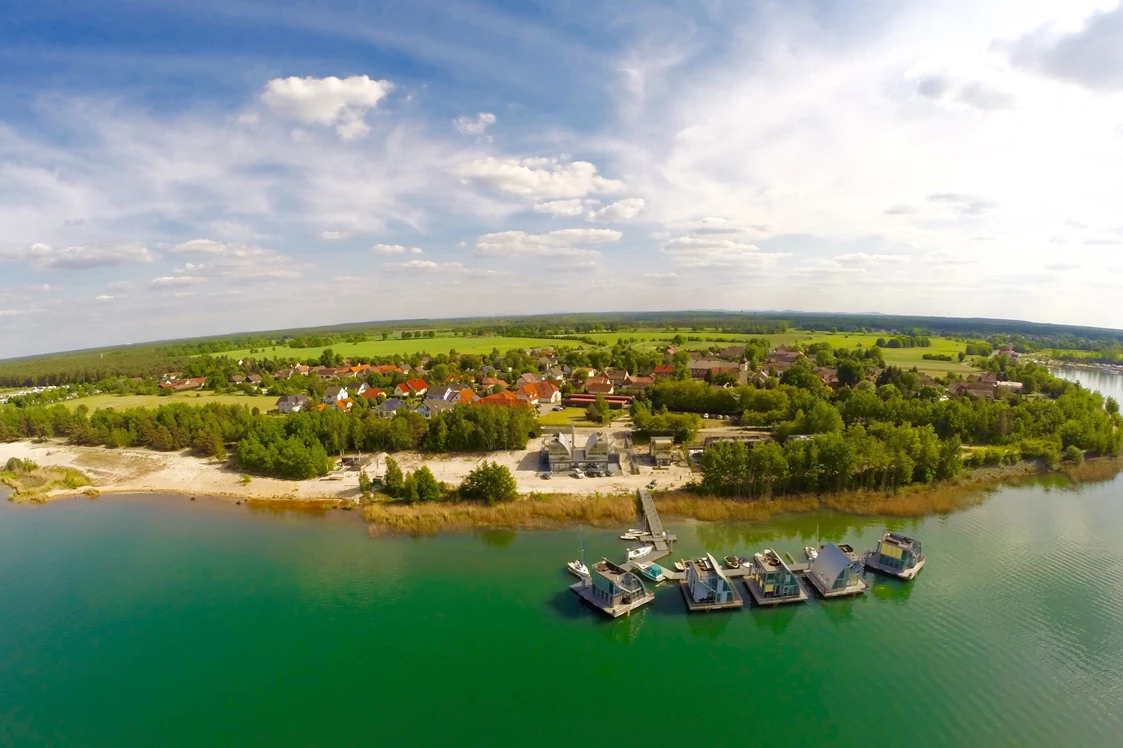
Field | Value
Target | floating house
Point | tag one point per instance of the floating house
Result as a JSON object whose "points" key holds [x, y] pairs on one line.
{"points": [[896, 555], [612, 589], [707, 587], [837, 572], [772, 582]]}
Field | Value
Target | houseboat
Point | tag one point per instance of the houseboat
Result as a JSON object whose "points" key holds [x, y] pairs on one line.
{"points": [[837, 572], [772, 582], [613, 590], [707, 587], [896, 555]]}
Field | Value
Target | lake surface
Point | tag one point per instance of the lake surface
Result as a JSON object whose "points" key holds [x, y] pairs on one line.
{"points": [[158, 621]]}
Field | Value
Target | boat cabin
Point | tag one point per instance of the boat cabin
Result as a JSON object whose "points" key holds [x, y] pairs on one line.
{"points": [[837, 571], [771, 581], [707, 587], [896, 555]]}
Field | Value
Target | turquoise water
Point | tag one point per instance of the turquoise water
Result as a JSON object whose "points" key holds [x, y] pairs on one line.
{"points": [[157, 621]]}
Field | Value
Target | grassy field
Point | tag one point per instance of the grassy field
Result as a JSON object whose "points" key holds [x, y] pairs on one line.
{"points": [[574, 417], [903, 357], [397, 346], [121, 402]]}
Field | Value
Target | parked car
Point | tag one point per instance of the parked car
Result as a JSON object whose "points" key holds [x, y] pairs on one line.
{"points": [[557, 408], [578, 474], [653, 484]]}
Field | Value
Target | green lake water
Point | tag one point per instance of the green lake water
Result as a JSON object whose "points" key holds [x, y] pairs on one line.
{"points": [[156, 621]]}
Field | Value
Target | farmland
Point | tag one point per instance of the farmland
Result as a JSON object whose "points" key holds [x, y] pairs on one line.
{"points": [[121, 402], [399, 347]]}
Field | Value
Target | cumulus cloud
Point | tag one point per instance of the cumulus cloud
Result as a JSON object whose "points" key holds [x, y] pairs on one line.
{"points": [[334, 235], [561, 208], [396, 249], [862, 258], [327, 101], [236, 262], [943, 89], [537, 178], [477, 125], [428, 266], [720, 242], [103, 297], [1091, 56], [47, 257], [621, 210], [564, 243]]}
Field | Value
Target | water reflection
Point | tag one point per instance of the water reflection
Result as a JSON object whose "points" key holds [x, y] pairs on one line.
{"points": [[497, 538], [709, 626], [891, 590], [775, 619]]}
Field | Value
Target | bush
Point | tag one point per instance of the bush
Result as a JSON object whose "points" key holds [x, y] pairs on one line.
{"points": [[1074, 454], [16, 465], [489, 483]]}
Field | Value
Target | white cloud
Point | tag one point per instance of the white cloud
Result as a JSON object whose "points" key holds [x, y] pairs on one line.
{"points": [[236, 262], [537, 177], [12, 312], [621, 210], [862, 258], [564, 243], [327, 101], [661, 276], [561, 208], [334, 235], [178, 280], [477, 125], [85, 257], [103, 297], [396, 249]]}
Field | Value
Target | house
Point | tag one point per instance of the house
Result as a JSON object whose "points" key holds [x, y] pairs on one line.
{"points": [[563, 454], [707, 587], [387, 370], [360, 370], [829, 377], [430, 408], [1015, 387], [182, 385], [664, 371], [301, 370], [237, 379], [759, 379], [345, 405], [283, 374], [335, 394], [362, 388], [979, 390], [618, 377], [837, 572], [699, 368], [292, 403], [466, 396], [371, 393], [584, 400], [896, 555], [526, 378], [732, 353], [254, 379], [412, 387], [504, 399], [555, 373], [662, 449], [638, 383], [543, 392], [599, 386], [772, 582], [490, 383], [529, 393], [442, 393], [612, 590], [388, 408]]}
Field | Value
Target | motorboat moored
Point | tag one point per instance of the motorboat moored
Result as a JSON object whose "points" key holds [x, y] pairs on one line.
{"points": [[578, 569], [732, 562], [811, 553], [634, 553]]}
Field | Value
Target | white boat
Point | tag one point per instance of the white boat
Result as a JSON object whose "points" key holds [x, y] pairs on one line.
{"points": [[811, 553], [634, 531], [680, 566], [578, 569], [630, 536], [634, 553]]}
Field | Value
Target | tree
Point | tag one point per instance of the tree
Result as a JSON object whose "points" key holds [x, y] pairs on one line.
{"points": [[327, 357], [489, 483], [365, 483], [428, 489], [393, 481]]}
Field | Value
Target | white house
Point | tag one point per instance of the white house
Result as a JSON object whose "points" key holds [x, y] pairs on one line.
{"points": [[335, 394]]}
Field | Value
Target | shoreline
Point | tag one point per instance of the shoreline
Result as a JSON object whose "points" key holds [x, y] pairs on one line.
{"points": [[117, 472]]}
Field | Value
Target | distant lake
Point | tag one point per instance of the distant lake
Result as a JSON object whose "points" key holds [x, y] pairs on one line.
{"points": [[156, 621]]}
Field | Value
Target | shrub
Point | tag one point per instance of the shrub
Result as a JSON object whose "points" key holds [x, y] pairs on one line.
{"points": [[1074, 454], [489, 483]]}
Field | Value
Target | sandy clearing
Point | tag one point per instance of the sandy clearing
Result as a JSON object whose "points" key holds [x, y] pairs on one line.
{"points": [[142, 471]]}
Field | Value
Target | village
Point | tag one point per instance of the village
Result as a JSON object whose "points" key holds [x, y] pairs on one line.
{"points": [[575, 454]]}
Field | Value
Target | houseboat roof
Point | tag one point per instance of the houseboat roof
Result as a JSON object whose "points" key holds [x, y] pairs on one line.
{"points": [[830, 562], [901, 541], [624, 579], [769, 560]]}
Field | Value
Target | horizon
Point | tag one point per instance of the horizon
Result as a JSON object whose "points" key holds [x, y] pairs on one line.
{"points": [[169, 172], [423, 323]]}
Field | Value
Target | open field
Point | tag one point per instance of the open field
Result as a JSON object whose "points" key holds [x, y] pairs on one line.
{"points": [[121, 402], [903, 357], [398, 347], [574, 417]]}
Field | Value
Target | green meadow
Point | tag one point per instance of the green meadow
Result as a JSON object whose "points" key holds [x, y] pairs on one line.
{"points": [[399, 347], [121, 402]]}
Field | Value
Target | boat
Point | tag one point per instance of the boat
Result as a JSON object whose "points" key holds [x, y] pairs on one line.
{"points": [[811, 553], [636, 531], [680, 566], [652, 571], [634, 553], [578, 569], [732, 562], [630, 536]]}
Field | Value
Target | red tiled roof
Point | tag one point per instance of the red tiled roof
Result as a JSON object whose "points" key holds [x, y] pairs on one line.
{"points": [[371, 393], [664, 369], [416, 385]]}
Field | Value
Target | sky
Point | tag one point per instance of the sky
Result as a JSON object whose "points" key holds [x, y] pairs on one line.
{"points": [[172, 169]]}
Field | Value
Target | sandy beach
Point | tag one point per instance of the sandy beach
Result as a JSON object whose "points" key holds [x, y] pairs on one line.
{"points": [[144, 471]]}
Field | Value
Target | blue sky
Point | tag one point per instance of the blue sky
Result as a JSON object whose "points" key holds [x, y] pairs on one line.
{"points": [[171, 169]]}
